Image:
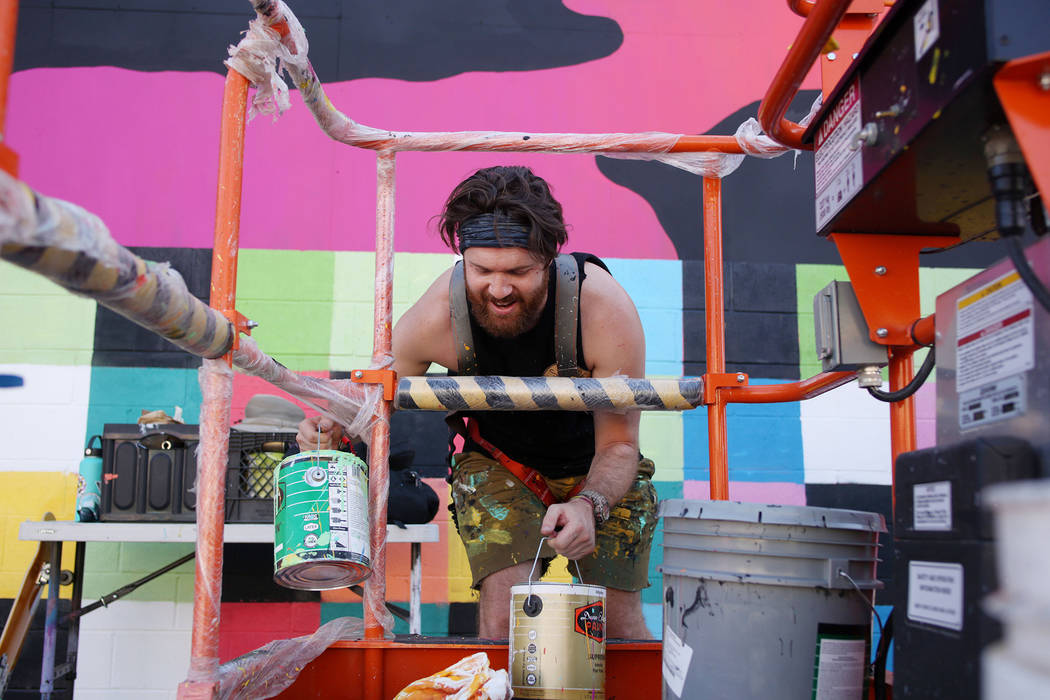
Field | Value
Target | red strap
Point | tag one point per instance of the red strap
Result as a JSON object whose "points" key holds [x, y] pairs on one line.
{"points": [[531, 478]]}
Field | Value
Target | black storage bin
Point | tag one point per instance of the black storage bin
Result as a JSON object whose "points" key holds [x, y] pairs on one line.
{"points": [[151, 475], [945, 563]]}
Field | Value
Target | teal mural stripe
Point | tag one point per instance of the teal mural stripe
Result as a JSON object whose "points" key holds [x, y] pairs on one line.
{"points": [[120, 394], [654, 593], [433, 616]]}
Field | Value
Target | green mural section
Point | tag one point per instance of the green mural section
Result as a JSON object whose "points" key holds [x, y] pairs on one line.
{"points": [[43, 323], [110, 565], [660, 439], [353, 296], [289, 294]]}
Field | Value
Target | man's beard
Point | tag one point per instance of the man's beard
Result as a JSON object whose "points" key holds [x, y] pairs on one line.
{"points": [[525, 317]]}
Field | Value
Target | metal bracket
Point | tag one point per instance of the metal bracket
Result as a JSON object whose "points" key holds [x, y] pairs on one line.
{"points": [[386, 377], [714, 382], [241, 324]]}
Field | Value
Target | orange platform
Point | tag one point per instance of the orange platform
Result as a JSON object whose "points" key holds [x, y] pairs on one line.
{"points": [[633, 669]]}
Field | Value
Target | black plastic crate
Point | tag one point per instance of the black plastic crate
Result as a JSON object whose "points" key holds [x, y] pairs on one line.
{"points": [[251, 474], [151, 475]]}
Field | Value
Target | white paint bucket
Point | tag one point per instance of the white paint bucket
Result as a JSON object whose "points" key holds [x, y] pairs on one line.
{"points": [[1019, 666]]}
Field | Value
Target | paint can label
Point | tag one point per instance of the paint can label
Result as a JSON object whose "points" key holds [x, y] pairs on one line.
{"points": [[321, 521], [557, 641]]}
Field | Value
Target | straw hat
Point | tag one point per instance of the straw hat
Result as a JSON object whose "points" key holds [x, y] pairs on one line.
{"points": [[266, 413]]}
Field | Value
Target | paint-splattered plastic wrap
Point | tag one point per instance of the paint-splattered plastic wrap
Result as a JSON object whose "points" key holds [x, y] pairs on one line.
{"points": [[276, 41], [216, 382], [73, 248], [352, 405], [470, 678], [267, 671]]}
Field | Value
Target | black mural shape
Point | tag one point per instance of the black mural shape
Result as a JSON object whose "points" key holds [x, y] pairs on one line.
{"points": [[121, 343], [767, 206], [402, 39]]}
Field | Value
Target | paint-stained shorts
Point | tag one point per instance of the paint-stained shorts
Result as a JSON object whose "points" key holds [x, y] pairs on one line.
{"points": [[499, 522]]}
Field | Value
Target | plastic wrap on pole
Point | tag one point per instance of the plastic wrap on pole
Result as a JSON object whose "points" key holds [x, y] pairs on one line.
{"points": [[275, 41], [352, 405], [216, 380], [376, 614], [719, 165], [547, 394], [265, 672], [73, 248]]}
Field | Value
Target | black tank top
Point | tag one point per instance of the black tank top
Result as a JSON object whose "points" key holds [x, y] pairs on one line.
{"points": [[555, 443]]}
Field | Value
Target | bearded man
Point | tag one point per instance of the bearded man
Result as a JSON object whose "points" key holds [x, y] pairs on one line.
{"points": [[576, 478]]}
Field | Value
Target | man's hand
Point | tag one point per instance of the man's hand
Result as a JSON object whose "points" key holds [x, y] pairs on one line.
{"points": [[330, 436], [574, 523]]}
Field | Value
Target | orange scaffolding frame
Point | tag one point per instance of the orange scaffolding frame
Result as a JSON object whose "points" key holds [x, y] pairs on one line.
{"points": [[719, 388]]}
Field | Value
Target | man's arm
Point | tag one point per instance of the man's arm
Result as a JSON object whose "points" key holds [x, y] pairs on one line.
{"points": [[613, 344]]}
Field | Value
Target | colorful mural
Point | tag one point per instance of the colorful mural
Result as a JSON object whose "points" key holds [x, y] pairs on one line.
{"points": [[115, 106]]}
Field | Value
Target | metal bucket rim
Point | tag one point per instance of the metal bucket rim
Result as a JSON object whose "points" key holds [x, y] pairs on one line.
{"points": [[1011, 494], [772, 514], [550, 587], [329, 455]]}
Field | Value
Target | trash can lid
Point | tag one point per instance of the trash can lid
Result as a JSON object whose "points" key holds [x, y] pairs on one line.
{"points": [[807, 516]]}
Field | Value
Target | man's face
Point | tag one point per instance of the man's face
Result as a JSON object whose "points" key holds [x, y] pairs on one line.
{"points": [[506, 288]]}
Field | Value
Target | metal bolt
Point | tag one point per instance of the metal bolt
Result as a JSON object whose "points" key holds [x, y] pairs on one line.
{"points": [[740, 378], [832, 56], [1044, 81], [881, 332], [880, 270], [251, 324], [358, 373]]}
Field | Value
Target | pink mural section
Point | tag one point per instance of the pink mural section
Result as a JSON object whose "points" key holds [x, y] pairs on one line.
{"points": [[140, 149]]}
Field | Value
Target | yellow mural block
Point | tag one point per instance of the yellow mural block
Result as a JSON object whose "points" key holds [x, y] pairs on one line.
{"points": [[27, 496], [459, 579]]}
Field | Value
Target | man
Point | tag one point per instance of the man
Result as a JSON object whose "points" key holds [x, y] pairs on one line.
{"points": [[509, 228]]}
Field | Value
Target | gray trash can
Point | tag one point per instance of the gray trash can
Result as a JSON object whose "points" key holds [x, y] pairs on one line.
{"points": [[766, 601]]}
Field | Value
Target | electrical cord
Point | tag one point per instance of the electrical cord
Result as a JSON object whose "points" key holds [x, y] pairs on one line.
{"points": [[1016, 252], [917, 381], [882, 653]]}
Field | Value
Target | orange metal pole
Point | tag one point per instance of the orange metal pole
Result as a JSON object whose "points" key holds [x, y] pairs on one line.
{"points": [[814, 34], [902, 413], [796, 391], [714, 313], [8, 27], [228, 199], [924, 330], [217, 388], [379, 450]]}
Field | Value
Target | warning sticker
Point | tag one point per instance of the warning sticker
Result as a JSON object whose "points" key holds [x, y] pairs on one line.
{"points": [[676, 657], [927, 26], [995, 337], [932, 505], [838, 165], [935, 594], [840, 669], [992, 402]]}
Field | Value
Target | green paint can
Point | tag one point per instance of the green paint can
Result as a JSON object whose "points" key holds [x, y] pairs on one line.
{"points": [[321, 521]]}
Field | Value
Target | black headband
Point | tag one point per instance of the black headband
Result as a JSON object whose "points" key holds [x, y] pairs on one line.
{"points": [[492, 231]]}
